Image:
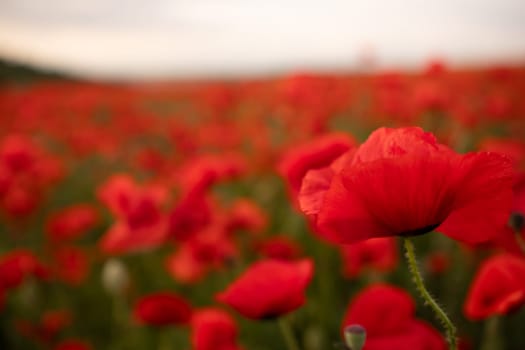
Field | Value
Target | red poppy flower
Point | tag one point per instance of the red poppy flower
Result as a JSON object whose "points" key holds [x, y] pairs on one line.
{"points": [[127, 199], [140, 222], [506, 237], [52, 322], [72, 222], [25, 173], [497, 288], [192, 213], [18, 153], [71, 264], [218, 98], [245, 215], [162, 309], [279, 247], [498, 105], [391, 102], [120, 238], [438, 262], [402, 182], [499, 73], [435, 68], [269, 288], [47, 329], [316, 154], [151, 160], [208, 250], [379, 254], [16, 265], [387, 314], [213, 329], [431, 96], [21, 201], [308, 92], [202, 172]]}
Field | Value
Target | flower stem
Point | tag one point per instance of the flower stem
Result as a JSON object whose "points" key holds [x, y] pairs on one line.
{"points": [[520, 240], [492, 339], [418, 280], [164, 339], [286, 330]]}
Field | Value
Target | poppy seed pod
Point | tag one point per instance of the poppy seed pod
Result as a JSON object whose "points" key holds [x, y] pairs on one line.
{"points": [[115, 278], [355, 337]]}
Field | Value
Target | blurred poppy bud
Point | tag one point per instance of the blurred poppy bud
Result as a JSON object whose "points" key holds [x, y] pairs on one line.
{"points": [[355, 337], [115, 276]]}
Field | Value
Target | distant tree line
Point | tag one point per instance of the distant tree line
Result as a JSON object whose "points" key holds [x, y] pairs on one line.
{"points": [[13, 72]]}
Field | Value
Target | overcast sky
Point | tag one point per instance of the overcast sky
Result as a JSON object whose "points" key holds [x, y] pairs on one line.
{"points": [[196, 38]]}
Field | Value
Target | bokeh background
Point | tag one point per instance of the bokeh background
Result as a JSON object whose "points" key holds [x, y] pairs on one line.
{"points": [[151, 100]]}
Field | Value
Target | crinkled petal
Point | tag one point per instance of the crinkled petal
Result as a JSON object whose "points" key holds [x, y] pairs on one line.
{"points": [[483, 198]]}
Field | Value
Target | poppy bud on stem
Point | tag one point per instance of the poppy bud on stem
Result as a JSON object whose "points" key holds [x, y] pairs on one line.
{"points": [[286, 330], [418, 280], [355, 337]]}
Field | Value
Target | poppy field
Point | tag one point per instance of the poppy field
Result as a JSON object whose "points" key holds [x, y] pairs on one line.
{"points": [[305, 212]]}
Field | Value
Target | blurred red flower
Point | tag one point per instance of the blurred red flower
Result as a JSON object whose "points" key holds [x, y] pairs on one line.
{"points": [[213, 329], [192, 213], [497, 289], [431, 96], [388, 315], [200, 173], [279, 247], [25, 172], [71, 264], [498, 105], [21, 200], [269, 288], [378, 254], [162, 309], [46, 331], [54, 321], [16, 265], [318, 153], [245, 215], [72, 222], [208, 250], [402, 182], [438, 262], [507, 238], [140, 223]]}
